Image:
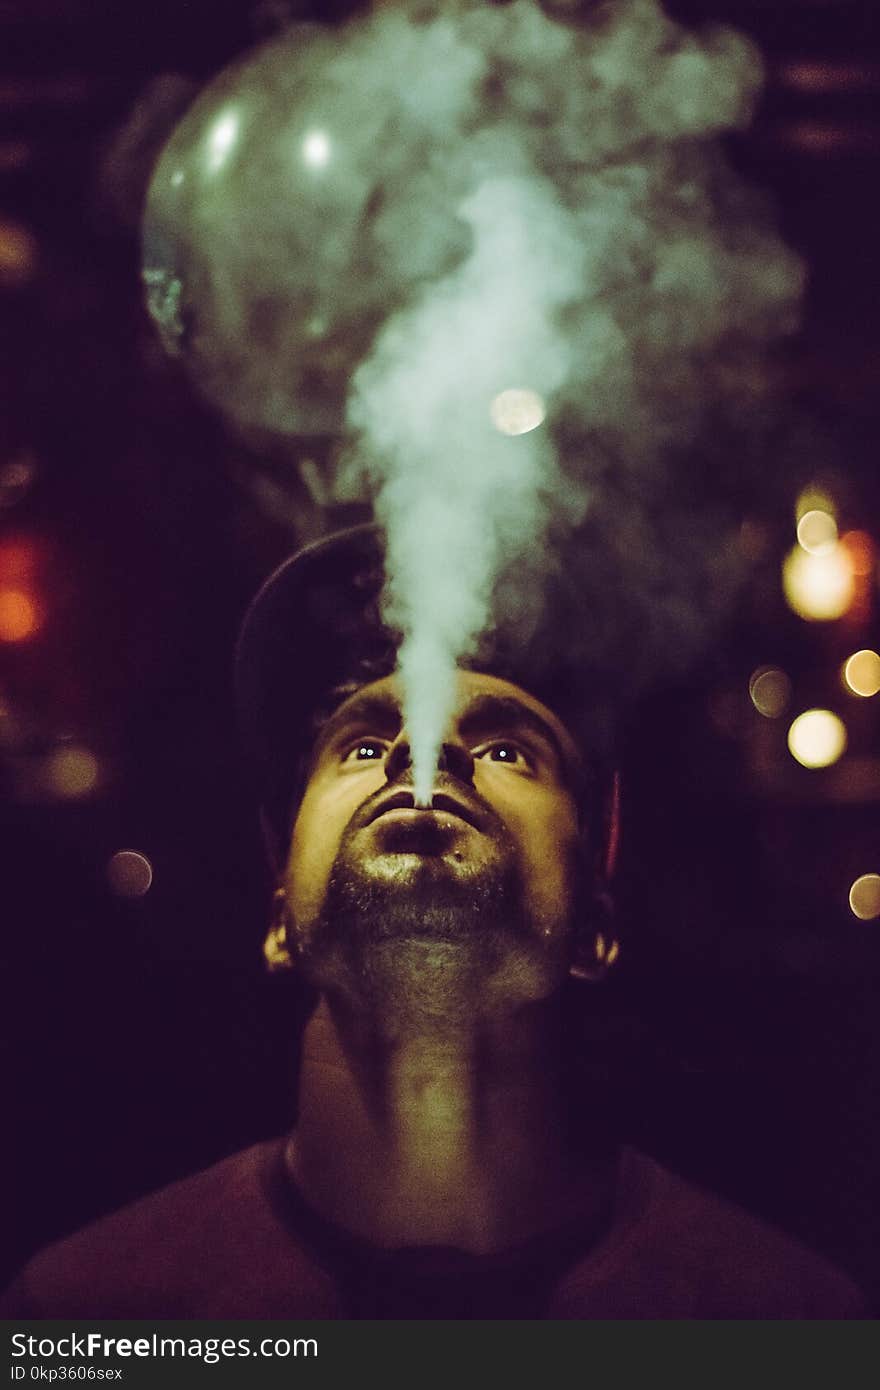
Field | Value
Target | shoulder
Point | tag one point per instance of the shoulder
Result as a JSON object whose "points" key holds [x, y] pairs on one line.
{"points": [[675, 1250], [210, 1245]]}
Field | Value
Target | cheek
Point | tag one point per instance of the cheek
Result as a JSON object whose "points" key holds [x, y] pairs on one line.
{"points": [[308, 867], [548, 839], [321, 822], [550, 893]]}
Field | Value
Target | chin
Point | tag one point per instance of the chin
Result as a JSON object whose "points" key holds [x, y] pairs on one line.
{"points": [[428, 930], [448, 896], [411, 895], [426, 871]]}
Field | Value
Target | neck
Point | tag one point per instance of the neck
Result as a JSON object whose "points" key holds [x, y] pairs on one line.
{"points": [[442, 1130]]}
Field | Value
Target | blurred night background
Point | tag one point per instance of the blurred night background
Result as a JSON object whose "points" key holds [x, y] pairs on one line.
{"points": [[142, 1039]]}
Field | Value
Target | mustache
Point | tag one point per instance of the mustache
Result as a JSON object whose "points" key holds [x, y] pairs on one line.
{"points": [[448, 794]]}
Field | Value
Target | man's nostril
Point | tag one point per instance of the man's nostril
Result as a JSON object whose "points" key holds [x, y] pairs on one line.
{"points": [[453, 759], [456, 760], [398, 760]]}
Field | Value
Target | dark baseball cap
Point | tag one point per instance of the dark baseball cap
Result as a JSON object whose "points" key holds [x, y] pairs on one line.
{"points": [[315, 628]]}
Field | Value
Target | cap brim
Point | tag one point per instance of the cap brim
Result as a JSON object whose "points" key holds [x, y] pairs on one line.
{"points": [[311, 624]]}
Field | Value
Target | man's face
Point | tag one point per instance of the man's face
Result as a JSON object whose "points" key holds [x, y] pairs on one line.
{"points": [[499, 839]]}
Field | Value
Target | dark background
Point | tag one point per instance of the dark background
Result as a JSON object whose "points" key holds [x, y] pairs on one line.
{"points": [[143, 1039]]}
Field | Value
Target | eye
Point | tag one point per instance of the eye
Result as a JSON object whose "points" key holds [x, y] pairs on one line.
{"points": [[366, 750], [504, 752]]}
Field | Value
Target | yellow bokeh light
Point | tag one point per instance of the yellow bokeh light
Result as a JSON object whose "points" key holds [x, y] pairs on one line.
{"points": [[73, 772], [129, 873], [817, 738], [18, 254], [818, 587], [517, 411], [861, 674], [814, 498], [864, 897], [817, 532], [19, 618], [770, 690]]}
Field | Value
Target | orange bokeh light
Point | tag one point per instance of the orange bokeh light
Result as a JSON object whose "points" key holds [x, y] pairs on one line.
{"points": [[19, 618], [861, 551]]}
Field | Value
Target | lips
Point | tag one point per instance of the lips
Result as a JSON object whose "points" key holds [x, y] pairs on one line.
{"points": [[403, 800]]}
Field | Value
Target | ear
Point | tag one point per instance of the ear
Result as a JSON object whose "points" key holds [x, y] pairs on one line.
{"points": [[596, 947], [609, 843], [600, 831], [276, 946]]}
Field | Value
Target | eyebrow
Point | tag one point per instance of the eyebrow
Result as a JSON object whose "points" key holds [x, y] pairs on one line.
{"points": [[503, 714], [381, 713]]}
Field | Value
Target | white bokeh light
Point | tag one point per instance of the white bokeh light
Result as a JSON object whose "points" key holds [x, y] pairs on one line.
{"points": [[223, 136], [817, 532], [861, 673], [819, 586], [517, 411], [316, 149], [817, 738]]}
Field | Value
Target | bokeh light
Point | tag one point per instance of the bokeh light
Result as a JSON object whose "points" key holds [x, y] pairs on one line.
{"points": [[817, 738], [814, 498], [818, 587], [16, 476], [316, 149], [517, 411], [770, 691], [221, 140], [18, 254], [864, 897], [129, 873], [19, 618], [72, 772], [861, 551], [817, 532], [861, 673]]}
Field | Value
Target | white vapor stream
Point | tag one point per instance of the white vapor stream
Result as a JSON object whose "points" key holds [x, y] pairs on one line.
{"points": [[380, 228], [456, 496]]}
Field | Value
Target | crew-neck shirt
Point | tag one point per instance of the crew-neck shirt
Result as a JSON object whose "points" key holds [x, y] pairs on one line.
{"points": [[238, 1240]]}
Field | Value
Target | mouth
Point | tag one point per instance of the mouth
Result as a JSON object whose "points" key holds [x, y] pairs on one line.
{"points": [[403, 800]]}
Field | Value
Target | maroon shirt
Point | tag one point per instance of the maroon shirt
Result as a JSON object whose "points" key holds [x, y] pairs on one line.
{"points": [[237, 1241]]}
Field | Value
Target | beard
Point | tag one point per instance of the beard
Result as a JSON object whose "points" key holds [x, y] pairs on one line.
{"points": [[422, 936]]}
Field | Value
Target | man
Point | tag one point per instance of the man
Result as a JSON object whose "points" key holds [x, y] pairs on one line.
{"points": [[444, 1162]]}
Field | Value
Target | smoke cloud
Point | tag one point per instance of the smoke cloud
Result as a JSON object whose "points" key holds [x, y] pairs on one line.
{"points": [[503, 257]]}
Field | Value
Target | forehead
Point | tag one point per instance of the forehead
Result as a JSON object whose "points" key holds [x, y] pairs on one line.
{"points": [[476, 694]]}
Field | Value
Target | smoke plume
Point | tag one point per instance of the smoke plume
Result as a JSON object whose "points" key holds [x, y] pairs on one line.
{"points": [[504, 256]]}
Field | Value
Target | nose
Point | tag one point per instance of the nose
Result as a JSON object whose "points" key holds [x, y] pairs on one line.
{"points": [[453, 759], [456, 760], [398, 760]]}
